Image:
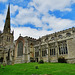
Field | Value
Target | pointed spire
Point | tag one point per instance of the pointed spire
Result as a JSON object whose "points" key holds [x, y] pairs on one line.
{"points": [[7, 22]]}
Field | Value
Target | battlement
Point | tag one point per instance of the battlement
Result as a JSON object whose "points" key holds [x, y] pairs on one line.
{"points": [[61, 32]]}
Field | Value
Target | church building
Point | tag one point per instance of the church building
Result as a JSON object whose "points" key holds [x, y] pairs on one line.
{"points": [[48, 48]]}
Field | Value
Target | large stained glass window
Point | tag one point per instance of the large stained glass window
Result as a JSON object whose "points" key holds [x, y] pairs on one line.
{"points": [[20, 48]]}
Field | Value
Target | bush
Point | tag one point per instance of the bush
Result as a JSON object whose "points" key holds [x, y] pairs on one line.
{"points": [[62, 60], [36, 67], [41, 62]]}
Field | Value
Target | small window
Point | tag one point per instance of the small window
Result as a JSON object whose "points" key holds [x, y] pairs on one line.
{"points": [[44, 52], [68, 34], [60, 36], [52, 51], [52, 38], [8, 39]]}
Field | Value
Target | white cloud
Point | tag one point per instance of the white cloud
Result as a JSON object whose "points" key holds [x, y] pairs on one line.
{"points": [[13, 9], [29, 15], [25, 31], [3, 0], [2, 18], [25, 16], [57, 24], [73, 1], [45, 6]]}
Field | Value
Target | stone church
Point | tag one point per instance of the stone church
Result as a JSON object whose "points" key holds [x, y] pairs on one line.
{"points": [[27, 49]]}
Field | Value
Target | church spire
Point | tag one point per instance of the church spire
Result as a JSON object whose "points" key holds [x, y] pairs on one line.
{"points": [[7, 22]]}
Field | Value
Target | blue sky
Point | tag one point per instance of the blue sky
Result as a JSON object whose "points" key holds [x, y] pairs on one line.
{"points": [[36, 18]]}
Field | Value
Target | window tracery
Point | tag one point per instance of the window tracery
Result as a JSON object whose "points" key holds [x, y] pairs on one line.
{"points": [[52, 49], [36, 52], [63, 48], [20, 48]]}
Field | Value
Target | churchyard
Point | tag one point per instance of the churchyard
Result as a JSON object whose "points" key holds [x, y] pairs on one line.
{"points": [[38, 69]]}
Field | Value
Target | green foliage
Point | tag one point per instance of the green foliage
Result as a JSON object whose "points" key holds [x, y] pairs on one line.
{"points": [[41, 62], [62, 60], [36, 67]]}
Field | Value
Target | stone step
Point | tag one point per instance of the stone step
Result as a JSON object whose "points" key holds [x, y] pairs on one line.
{"points": [[18, 60]]}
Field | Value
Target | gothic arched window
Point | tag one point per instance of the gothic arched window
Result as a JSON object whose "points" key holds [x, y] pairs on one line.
{"points": [[20, 48], [63, 48]]}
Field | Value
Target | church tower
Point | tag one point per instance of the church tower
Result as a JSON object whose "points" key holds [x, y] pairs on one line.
{"points": [[7, 36], [7, 28], [7, 39]]}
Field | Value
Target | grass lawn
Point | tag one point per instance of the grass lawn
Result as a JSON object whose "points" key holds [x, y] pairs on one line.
{"points": [[46, 68]]}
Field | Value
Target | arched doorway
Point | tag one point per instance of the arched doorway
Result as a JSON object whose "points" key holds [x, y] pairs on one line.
{"points": [[20, 48]]}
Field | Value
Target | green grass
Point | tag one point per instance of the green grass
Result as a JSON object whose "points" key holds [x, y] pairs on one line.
{"points": [[46, 68]]}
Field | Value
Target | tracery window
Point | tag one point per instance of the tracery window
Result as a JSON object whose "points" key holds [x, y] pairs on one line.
{"points": [[36, 52], [52, 49], [44, 52], [20, 48], [63, 48], [8, 39]]}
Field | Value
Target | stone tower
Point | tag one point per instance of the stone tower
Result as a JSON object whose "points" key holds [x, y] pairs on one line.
{"points": [[7, 39], [7, 35]]}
